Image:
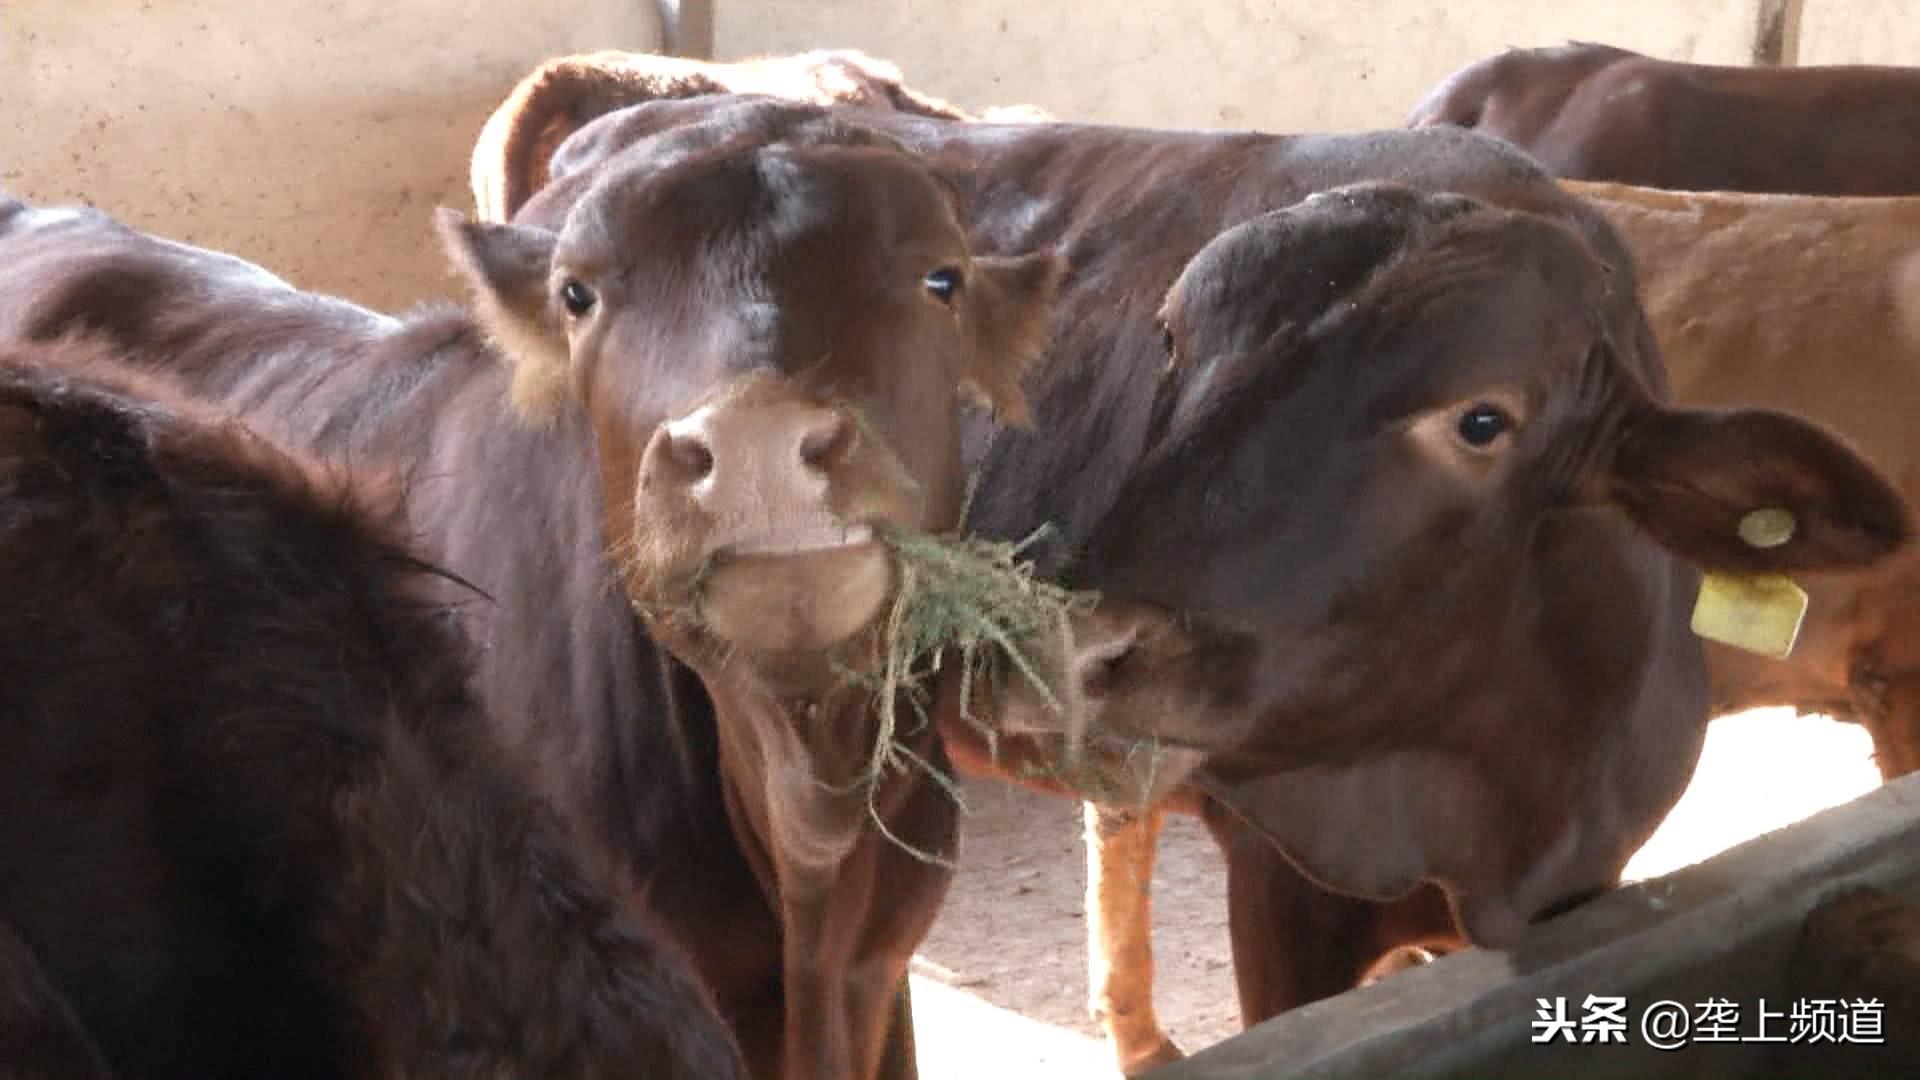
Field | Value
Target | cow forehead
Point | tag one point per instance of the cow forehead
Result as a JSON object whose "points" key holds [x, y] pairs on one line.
{"points": [[1254, 283], [1336, 245], [753, 208], [1470, 306]]}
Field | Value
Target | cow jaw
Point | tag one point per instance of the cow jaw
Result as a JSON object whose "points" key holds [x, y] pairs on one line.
{"points": [[807, 597]]}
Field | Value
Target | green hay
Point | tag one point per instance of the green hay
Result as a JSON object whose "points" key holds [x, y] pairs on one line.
{"points": [[975, 603]]}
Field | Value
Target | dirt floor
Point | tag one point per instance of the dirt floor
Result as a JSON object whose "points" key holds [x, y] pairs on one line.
{"points": [[1001, 983]]}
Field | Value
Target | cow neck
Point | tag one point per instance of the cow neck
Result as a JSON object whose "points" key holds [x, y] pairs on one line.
{"points": [[852, 864], [800, 774]]}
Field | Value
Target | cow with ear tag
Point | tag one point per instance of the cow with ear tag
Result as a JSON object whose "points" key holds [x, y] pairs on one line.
{"points": [[665, 441], [1412, 562]]}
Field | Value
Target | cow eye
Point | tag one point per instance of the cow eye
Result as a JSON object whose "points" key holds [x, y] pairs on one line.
{"points": [[942, 284], [1481, 424], [1166, 339], [577, 297]]}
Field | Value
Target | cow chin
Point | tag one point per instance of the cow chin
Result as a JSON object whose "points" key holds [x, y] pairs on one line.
{"points": [[798, 601]]}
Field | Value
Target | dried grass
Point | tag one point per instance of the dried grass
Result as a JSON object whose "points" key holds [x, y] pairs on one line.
{"points": [[974, 603]]}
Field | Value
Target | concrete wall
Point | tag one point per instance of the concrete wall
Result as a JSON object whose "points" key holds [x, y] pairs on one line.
{"points": [[317, 137], [314, 137], [1284, 65], [1860, 32]]}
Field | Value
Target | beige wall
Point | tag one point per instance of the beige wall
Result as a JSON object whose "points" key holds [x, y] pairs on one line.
{"points": [[317, 137], [1289, 65], [314, 137], [1860, 32], [1285, 65]]}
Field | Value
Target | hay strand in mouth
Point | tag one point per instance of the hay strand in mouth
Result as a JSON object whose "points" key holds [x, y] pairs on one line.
{"points": [[976, 603]]}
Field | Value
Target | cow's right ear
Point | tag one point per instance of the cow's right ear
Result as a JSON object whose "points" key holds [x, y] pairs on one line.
{"points": [[507, 267]]}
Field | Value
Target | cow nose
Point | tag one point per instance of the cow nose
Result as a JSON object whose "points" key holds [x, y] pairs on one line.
{"points": [[748, 456]]}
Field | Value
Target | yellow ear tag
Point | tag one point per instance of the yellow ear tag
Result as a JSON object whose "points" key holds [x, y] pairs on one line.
{"points": [[1760, 614]]}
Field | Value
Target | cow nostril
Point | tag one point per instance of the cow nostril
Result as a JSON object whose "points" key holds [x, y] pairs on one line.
{"points": [[690, 454], [828, 443]]}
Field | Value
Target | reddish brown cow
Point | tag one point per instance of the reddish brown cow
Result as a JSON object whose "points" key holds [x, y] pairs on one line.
{"points": [[1388, 518], [1594, 112], [1832, 341], [740, 356], [252, 820]]}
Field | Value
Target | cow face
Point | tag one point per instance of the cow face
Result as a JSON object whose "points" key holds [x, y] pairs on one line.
{"points": [[1390, 560], [770, 320]]}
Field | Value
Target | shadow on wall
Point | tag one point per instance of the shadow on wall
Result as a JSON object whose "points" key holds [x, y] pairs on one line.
{"points": [[315, 140]]}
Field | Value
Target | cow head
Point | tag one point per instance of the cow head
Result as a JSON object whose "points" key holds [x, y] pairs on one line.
{"points": [[769, 320], [1393, 559]]}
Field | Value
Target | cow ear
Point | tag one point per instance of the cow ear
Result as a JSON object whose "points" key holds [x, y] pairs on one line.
{"points": [[1750, 491], [1011, 313], [506, 267]]}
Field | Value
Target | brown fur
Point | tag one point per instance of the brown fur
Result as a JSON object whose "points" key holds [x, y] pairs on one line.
{"points": [[43, 1038], [243, 751], [1595, 112]]}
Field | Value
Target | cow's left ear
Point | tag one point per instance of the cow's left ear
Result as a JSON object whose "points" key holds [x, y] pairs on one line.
{"points": [[1750, 491], [506, 267], [1011, 310]]}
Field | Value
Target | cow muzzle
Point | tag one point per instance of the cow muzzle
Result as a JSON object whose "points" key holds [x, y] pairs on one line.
{"points": [[773, 500], [1109, 748]]}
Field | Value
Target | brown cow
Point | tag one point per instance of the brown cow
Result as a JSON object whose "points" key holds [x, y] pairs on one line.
{"points": [[741, 355], [252, 820], [1301, 551], [1595, 112], [1836, 339]]}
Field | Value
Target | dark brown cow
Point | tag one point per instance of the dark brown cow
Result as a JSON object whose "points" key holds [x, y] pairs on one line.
{"points": [[740, 356], [1387, 520], [1594, 112], [252, 820], [1835, 340]]}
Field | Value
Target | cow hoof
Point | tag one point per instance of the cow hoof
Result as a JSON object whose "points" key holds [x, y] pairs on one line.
{"points": [[1141, 1064]]}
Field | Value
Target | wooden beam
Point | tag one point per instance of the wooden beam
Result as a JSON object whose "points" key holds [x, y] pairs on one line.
{"points": [[1725, 928], [1863, 945], [1776, 33], [686, 28]]}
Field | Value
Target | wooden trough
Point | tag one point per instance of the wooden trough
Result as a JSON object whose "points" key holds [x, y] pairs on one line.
{"points": [[1813, 919]]}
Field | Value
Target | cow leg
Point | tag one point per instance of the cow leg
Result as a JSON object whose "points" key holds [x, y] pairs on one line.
{"points": [[899, 1058], [43, 1038], [1120, 851], [1293, 941]]}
